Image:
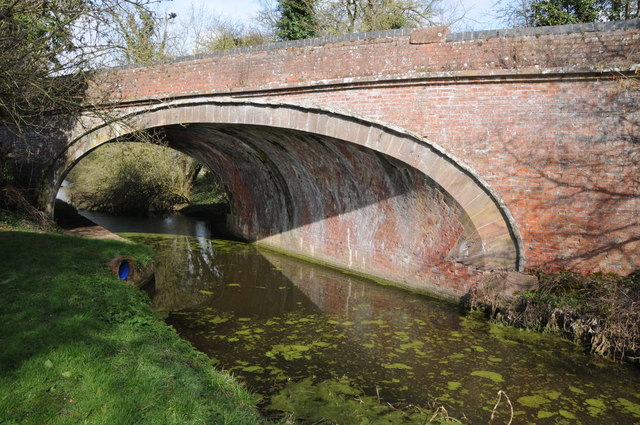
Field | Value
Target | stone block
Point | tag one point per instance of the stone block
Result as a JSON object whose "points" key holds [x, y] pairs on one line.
{"points": [[429, 35]]}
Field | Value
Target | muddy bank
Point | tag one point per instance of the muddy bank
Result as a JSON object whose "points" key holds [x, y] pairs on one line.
{"points": [[67, 217], [74, 224], [600, 312]]}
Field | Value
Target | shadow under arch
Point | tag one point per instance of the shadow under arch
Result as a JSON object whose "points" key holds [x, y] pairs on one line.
{"points": [[383, 201]]}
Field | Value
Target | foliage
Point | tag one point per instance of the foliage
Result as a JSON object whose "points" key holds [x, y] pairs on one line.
{"points": [[198, 31], [297, 19], [77, 344], [208, 189], [143, 38], [131, 179], [16, 209], [561, 12], [34, 38], [49, 47], [622, 9], [341, 17], [530, 13], [229, 36]]}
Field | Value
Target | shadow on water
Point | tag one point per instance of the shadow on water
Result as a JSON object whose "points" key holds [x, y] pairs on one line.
{"points": [[276, 321]]}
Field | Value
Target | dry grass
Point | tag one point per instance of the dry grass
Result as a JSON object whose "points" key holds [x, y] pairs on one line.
{"points": [[599, 311]]}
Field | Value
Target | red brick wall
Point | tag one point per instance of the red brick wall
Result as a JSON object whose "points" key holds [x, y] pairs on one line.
{"points": [[537, 117], [380, 59], [338, 203], [564, 157]]}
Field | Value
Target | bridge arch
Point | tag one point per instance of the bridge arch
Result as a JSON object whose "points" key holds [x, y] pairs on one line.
{"points": [[281, 163]]}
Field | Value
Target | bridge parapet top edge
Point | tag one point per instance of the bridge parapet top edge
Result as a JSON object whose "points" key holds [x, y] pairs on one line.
{"points": [[406, 32], [549, 30]]}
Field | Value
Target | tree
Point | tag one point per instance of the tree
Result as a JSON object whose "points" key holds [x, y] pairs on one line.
{"points": [[622, 9], [297, 19], [377, 15], [132, 179], [561, 12], [49, 49], [198, 31], [224, 35], [37, 44], [348, 16], [523, 13], [142, 35]]}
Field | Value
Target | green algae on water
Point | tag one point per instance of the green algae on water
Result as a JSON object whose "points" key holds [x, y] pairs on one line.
{"points": [[595, 406], [543, 414], [253, 369], [553, 395], [453, 385], [576, 390], [533, 401], [395, 366], [396, 345], [566, 414], [339, 401], [630, 406], [289, 352], [495, 377]]}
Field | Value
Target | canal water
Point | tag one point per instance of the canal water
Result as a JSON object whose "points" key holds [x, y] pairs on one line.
{"points": [[324, 343]]}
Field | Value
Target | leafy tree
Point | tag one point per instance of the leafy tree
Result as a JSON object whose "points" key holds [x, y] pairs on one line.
{"points": [[622, 9], [132, 179], [519, 13], [297, 19], [560, 12], [349, 16]]}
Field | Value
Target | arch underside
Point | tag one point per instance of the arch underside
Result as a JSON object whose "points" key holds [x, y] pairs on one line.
{"points": [[336, 188]]}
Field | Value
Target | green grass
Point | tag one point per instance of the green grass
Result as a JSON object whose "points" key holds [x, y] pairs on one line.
{"points": [[79, 346]]}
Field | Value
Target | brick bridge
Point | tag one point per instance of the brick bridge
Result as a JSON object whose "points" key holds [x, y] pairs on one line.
{"points": [[418, 156]]}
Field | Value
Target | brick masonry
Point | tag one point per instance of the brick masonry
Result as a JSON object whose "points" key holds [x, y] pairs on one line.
{"points": [[523, 142]]}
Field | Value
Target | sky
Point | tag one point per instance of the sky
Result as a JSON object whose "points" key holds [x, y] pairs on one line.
{"points": [[478, 15]]}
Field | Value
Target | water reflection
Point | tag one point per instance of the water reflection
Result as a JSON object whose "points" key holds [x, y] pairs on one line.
{"points": [[172, 224], [271, 319]]}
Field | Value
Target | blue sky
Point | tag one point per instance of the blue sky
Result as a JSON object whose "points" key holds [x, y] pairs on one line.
{"points": [[478, 14]]}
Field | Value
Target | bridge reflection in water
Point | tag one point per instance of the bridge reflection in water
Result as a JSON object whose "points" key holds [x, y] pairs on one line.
{"points": [[272, 319]]}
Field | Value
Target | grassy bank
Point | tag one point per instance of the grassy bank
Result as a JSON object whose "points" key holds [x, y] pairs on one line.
{"points": [[79, 346], [598, 311]]}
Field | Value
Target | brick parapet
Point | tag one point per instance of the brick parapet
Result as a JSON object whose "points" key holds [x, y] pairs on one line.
{"points": [[407, 32], [376, 60]]}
